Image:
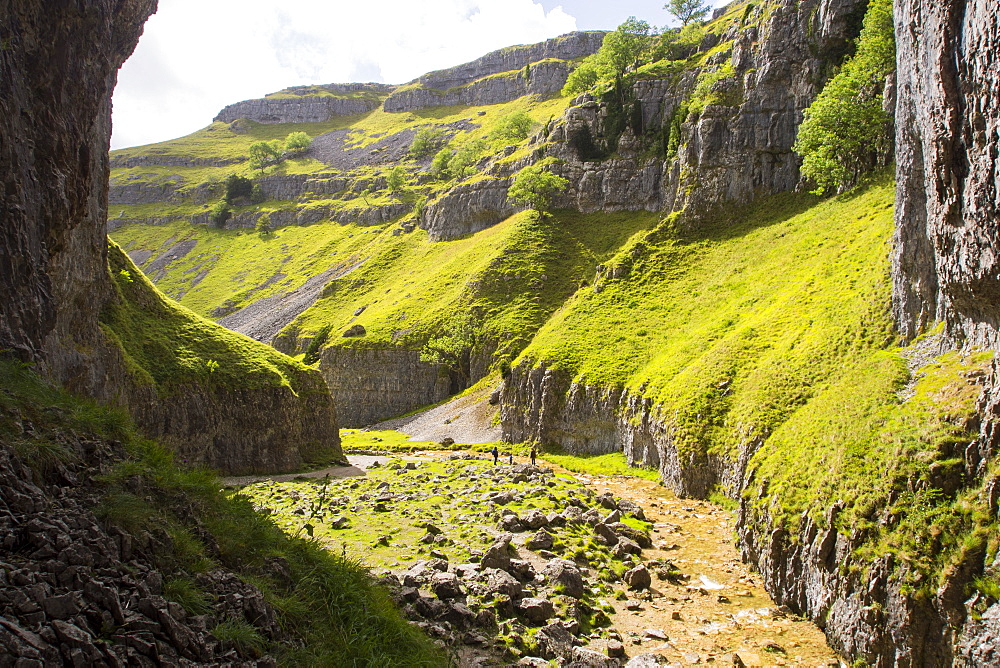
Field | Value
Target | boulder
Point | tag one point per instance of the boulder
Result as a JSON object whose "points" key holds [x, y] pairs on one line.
{"points": [[535, 610], [565, 577], [638, 578], [542, 540]]}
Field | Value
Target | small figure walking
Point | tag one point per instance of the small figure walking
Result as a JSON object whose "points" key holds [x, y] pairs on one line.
{"points": [[511, 457], [534, 453], [496, 454]]}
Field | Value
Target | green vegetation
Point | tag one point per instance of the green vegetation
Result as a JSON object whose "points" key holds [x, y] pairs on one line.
{"points": [[297, 142], [534, 186], [426, 142], [513, 127], [687, 11], [611, 464], [845, 132], [330, 608], [263, 154], [168, 346]]}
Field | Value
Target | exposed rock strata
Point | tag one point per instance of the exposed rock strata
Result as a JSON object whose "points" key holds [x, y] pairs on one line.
{"points": [[306, 109], [369, 386], [735, 150], [56, 79], [476, 81]]}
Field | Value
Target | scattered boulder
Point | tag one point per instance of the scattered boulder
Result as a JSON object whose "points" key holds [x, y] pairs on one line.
{"points": [[535, 519], [496, 556], [356, 330], [447, 585], [542, 540], [535, 610], [638, 578], [631, 508], [554, 641], [565, 577]]}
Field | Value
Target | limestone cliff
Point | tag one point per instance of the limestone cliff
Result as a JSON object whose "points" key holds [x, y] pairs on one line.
{"points": [[56, 77], [759, 72], [499, 76], [309, 104]]}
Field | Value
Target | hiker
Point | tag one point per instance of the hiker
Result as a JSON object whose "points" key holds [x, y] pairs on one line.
{"points": [[496, 455], [534, 453], [511, 457]]}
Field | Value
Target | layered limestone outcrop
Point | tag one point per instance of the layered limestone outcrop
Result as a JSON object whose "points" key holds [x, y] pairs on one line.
{"points": [[371, 385], [499, 76], [738, 147], [56, 79], [308, 108]]}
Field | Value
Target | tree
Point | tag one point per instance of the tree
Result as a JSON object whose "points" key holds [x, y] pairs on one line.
{"points": [[427, 142], [396, 179], [297, 142], [262, 154], [513, 127], [238, 186], [440, 163], [220, 213], [845, 131], [463, 164], [264, 229], [623, 47], [534, 186], [687, 11], [313, 349], [451, 347]]}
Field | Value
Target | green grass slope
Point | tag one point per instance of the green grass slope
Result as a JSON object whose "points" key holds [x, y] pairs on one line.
{"points": [[730, 329]]}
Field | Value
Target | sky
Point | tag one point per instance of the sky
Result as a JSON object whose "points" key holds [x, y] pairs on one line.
{"points": [[197, 56]]}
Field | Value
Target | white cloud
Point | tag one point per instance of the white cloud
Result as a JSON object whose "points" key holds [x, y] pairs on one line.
{"points": [[196, 57]]}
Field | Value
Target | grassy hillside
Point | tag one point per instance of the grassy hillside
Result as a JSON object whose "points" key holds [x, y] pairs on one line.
{"points": [[179, 523], [730, 329]]}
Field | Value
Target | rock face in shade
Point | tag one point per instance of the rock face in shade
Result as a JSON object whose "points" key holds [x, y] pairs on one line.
{"points": [[56, 80], [369, 386]]}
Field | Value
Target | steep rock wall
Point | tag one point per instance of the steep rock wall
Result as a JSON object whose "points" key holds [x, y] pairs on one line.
{"points": [[55, 127], [374, 385], [736, 149], [57, 71], [306, 109], [543, 78]]}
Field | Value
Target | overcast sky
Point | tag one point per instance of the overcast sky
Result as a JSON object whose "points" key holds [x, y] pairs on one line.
{"points": [[197, 56]]}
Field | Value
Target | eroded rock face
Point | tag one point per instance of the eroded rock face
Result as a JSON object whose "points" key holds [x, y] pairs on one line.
{"points": [[56, 77], [373, 385], [946, 262], [736, 149], [57, 74], [305, 109], [465, 84]]}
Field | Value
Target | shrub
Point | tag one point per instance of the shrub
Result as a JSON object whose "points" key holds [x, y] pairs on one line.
{"points": [[845, 132], [396, 179], [297, 142], [264, 229], [238, 186], [428, 141], [264, 154], [313, 349], [513, 127], [534, 186], [220, 213], [439, 165]]}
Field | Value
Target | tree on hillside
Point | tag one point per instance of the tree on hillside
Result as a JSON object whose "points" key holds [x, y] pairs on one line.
{"points": [[263, 154], [845, 131], [621, 49], [297, 142], [513, 127], [395, 179], [687, 11], [534, 186], [427, 141]]}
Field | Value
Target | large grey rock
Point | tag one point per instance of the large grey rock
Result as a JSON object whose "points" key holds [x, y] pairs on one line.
{"points": [[566, 577], [535, 611]]}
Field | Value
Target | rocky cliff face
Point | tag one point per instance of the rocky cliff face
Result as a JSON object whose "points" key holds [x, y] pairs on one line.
{"points": [[308, 108], [762, 73], [56, 78], [499, 76], [401, 383], [55, 125], [944, 269]]}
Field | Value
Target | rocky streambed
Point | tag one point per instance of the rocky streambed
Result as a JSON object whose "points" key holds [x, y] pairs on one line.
{"points": [[525, 565]]}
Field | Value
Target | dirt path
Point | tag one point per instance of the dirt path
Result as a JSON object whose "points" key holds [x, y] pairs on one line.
{"points": [[720, 607]]}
